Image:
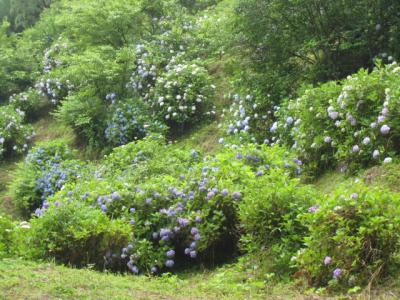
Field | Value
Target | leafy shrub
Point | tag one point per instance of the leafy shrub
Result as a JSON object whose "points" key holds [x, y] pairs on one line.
{"points": [[6, 229], [353, 238], [182, 208], [14, 134], [182, 94], [131, 121], [79, 235], [18, 67], [285, 47], [29, 102], [353, 123], [41, 174], [269, 216]]}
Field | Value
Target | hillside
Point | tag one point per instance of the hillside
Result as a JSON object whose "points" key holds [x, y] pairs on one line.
{"points": [[199, 149]]}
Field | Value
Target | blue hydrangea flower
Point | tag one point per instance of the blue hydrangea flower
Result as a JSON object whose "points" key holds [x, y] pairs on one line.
{"points": [[170, 253], [169, 263]]}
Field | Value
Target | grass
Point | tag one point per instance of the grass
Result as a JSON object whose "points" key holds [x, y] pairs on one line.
{"points": [[31, 280], [20, 279]]}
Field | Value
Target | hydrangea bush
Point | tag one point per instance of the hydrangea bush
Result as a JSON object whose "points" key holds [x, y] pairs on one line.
{"points": [[182, 95], [180, 215], [353, 238], [15, 135], [45, 170], [269, 217], [29, 102], [351, 124], [76, 234]]}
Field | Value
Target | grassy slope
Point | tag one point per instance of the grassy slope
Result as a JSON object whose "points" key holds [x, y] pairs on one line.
{"points": [[32, 280]]}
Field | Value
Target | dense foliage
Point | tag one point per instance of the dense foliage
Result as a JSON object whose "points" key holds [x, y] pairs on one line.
{"points": [[297, 88]]}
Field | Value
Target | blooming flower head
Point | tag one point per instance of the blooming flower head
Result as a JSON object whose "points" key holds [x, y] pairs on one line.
{"points": [[194, 231], [115, 196], [169, 263], [236, 195], [354, 196], [366, 140], [170, 253], [337, 273], [375, 154], [224, 192], [387, 160], [355, 149], [193, 254], [327, 139], [327, 260], [385, 129], [153, 270], [313, 208]]}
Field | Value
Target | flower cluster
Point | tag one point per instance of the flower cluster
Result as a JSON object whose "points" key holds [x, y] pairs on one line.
{"points": [[130, 122], [182, 94], [14, 134], [353, 122], [53, 89]]}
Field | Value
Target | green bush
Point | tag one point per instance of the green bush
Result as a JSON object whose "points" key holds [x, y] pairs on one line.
{"points": [[41, 174], [183, 207], [352, 124], [14, 134], [6, 235], [353, 238], [29, 102], [75, 234], [182, 95], [291, 42], [269, 217]]}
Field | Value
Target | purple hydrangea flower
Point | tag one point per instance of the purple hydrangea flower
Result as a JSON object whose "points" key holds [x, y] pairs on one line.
{"points": [[198, 219], [224, 192], [260, 173], [194, 231], [183, 222], [313, 208], [193, 254], [187, 251], [104, 208], [354, 196], [134, 270], [197, 237], [327, 260], [210, 194], [153, 270], [132, 210], [236, 195], [337, 273], [169, 263], [170, 253], [115, 196]]}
